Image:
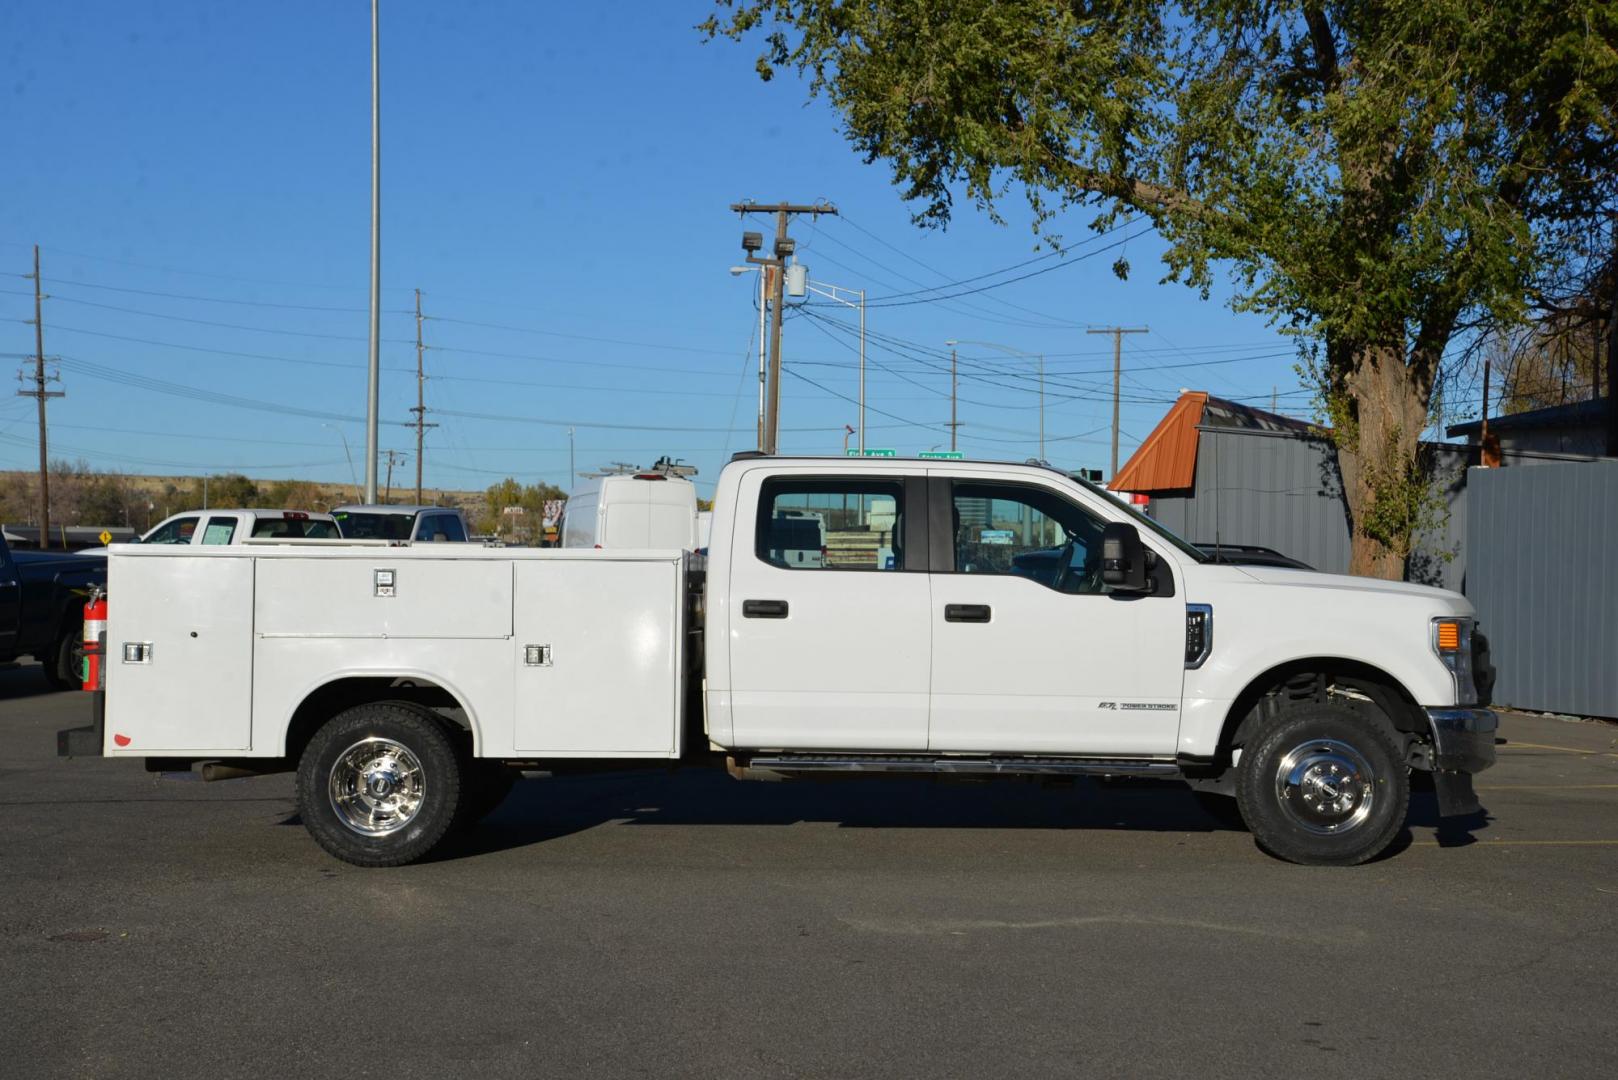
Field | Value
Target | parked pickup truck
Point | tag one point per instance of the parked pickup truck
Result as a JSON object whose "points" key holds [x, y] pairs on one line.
{"points": [[239, 526], [42, 595], [406, 684], [387, 522]]}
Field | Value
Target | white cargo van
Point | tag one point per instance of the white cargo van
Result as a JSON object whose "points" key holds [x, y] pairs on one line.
{"points": [[632, 510]]}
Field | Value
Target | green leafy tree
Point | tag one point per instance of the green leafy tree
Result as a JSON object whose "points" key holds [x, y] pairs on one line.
{"points": [[1385, 178], [525, 525]]}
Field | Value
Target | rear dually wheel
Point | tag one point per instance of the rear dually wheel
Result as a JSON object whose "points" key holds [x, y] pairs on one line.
{"points": [[380, 784]]}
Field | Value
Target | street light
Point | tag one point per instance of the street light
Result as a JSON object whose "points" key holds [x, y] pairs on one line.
{"points": [[346, 454], [763, 306], [831, 292], [1013, 352]]}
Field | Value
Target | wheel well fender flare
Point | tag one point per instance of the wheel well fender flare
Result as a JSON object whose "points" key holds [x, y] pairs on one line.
{"points": [[1306, 679], [322, 700]]}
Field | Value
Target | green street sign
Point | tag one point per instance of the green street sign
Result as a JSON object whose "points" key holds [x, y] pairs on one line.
{"points": [[942, 455], [873, 453]]}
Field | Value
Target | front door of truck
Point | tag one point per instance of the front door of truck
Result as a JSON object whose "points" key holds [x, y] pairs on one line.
{"points": [[829, 649], [1032, 653]]}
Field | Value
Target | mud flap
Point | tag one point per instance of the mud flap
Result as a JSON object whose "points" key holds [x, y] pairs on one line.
{"points": [[1455, 795], [85, 741]]}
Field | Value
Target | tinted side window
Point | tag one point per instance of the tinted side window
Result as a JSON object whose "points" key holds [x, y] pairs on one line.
{"points": [[450, 525], [178, 531], [1026, 532], [831, 524]]}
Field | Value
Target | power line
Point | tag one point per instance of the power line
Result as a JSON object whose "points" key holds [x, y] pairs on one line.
{"points": [[58, 282], [898, 299], [223, 325]]}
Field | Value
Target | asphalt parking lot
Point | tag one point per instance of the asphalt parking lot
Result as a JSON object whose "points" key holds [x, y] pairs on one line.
{"points": [[686, 925]]}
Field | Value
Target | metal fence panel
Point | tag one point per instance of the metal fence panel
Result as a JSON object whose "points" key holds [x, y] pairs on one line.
{"points": [[1544, 579], [1271, 491]]}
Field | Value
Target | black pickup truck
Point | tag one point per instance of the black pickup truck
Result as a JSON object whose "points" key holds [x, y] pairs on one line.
{"points": [[42, 595]]}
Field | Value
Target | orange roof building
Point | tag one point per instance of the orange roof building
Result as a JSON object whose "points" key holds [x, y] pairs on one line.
{"points": [[1166, 463]]}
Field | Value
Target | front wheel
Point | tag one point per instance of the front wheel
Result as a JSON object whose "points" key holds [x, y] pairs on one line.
{"points": [[1324, 786], [379, 784]]}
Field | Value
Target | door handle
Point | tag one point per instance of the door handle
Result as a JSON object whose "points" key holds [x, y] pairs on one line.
{"points": [[764, 609], [966, 612]]}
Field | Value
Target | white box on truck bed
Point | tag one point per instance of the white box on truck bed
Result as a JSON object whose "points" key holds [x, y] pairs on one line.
{"points": [[237, 639]]}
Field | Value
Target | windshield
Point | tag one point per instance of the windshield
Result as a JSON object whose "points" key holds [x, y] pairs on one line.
{"points": [[1185, 547], [375, 526], [296, 529]]}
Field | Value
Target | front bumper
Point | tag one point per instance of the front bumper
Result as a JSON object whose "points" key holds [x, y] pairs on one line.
{"points": [[1463, 738], [1463, 744]]}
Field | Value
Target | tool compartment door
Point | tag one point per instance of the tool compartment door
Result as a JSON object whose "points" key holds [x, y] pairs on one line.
{"points": [[192, 693], [384, 597], [607, 683]]}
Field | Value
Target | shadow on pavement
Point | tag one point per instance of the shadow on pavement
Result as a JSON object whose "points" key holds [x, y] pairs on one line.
{"points": [[541, 810], [24, 681]]}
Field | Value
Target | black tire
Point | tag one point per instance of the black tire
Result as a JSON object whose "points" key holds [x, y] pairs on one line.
{"points": [[486, 787], [1291, 790], [408, 755], [1222, 808], [61, 665]]}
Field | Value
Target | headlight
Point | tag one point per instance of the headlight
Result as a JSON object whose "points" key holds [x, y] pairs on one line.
{"points": [[1452, 641]]}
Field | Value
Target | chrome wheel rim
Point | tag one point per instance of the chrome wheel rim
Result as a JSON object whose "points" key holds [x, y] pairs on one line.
{"points": [[1325, 787], [376, 786]]}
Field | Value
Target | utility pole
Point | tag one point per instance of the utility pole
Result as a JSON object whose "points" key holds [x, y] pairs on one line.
{"points": [[953, 385], [375, 364], [572, 469], [421, 407], [764, 273], [393, 456], [1117, 333], [782, 249], [40, 393]]}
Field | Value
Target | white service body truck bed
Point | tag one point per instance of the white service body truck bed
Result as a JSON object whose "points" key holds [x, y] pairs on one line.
{"points": [[256, 630]]}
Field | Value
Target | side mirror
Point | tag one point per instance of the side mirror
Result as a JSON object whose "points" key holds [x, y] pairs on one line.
{"points": [[1123, 558]]}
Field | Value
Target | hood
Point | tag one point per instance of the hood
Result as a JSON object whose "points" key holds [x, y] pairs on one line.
{"points": [[1314, 579]]}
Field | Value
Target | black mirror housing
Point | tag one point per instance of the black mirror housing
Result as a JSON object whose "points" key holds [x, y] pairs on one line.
{"points": [[1123, 558]]}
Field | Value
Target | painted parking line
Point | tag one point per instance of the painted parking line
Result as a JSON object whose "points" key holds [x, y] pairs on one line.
{"points": [[1519, 843], [1512, 744], [1547, 787]]}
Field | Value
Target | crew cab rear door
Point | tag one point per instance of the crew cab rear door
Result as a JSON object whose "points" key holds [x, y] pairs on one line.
{"points": [[831, 652]]}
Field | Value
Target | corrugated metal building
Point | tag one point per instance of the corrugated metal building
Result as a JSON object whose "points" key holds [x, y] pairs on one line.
{"points": [[1238, 476], [1545, 583]]}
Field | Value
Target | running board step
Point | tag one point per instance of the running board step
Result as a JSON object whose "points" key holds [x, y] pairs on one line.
{"points": [[767, 767]]}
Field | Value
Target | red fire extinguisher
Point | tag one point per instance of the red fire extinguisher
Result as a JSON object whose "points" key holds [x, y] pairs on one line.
{"points": [[95, 628]]}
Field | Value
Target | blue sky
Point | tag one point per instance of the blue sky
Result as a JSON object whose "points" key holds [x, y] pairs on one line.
{"points": [[556, 181]]}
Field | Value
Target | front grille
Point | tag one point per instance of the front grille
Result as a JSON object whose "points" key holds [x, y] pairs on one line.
{"points": [[1482, 669]]}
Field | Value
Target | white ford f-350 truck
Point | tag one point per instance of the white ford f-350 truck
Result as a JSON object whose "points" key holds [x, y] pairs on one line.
{"points": [[966, 618]]}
